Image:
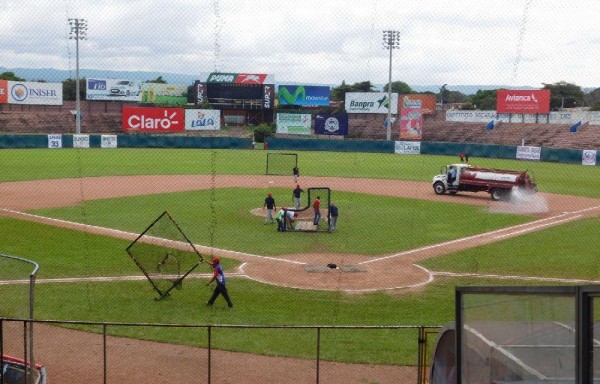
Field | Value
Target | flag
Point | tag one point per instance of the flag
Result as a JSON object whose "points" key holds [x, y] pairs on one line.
{"points": [[489, 126]]}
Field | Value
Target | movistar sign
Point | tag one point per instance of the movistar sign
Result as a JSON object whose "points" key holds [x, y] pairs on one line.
{"points": [[306, 95]]}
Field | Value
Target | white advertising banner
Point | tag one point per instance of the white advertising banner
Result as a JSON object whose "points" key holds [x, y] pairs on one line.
{"points": [[588, 157], [529, 153], [35, 93], [294, 123], [370, 102], [108, 141], [562, 117], [202, 119], [54, 141], [113, 89], [471, 116], [81, 141], [407, 147]]}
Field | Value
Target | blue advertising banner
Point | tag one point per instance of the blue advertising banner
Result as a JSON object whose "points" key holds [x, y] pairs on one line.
{"points": [[332, 125], [306, 95]]}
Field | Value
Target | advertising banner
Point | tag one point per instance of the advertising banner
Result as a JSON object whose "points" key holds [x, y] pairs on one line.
{"points": [[238, 78], [370, 102], [54, 141], [155, 120], [202, 119], [335, 125], [81, 141], [411, 123], [200, 92], [304, 95], [35, 93], [294, 123], [529, 153], [523, 101], [167, 95], [113, 89], [108, 141], [427, 101], [268, 96], [407, 147], [3, 91], [588, 157]]}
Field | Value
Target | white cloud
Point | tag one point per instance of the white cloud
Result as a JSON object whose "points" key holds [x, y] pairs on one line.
{"points": [[315, 41]]}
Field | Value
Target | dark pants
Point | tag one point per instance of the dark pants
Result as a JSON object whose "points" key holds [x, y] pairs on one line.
{"points": [[220, 289]]}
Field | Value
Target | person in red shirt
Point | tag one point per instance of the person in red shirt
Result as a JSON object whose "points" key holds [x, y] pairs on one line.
{"points": [[317, 210]]}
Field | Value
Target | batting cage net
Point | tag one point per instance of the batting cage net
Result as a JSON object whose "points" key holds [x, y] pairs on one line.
{"points": [[306, 219], [164, 254], [281, 163]]}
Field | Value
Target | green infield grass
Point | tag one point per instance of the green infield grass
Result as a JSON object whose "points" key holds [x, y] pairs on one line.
{"points": [[221, 218]]}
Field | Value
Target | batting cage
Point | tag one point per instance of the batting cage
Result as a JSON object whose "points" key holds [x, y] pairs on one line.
{"points": [[303, 219], [164, 254], [281, 163]]}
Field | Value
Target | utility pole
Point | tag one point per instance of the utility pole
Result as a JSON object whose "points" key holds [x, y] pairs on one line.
{"points": [[391, 41], [78, 32]]}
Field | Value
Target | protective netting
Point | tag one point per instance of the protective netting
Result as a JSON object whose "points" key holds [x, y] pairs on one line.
{"points": [[164, 254], [281, 163]]}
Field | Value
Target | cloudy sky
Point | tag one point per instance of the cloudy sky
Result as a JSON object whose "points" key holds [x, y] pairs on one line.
{"points": [[509, 42]]}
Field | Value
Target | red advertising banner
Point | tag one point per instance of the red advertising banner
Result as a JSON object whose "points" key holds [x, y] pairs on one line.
{"points": [[3, 91], [523, 101], [250, 78], [411, 123], [427, 101], [153, 119]]}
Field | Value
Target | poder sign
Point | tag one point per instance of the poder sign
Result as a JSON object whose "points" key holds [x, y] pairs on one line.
{"points": [[523, 101], [154, 120]]}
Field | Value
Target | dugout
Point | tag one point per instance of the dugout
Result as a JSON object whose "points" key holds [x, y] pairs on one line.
{"points": [[242, 98]]}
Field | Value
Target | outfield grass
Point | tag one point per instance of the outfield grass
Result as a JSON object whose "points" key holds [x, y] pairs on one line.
{"points": [[31, 164], [391, 224]]}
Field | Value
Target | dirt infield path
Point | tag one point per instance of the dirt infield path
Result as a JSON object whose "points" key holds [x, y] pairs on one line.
{"points": [[82, 360], [394, 271]]}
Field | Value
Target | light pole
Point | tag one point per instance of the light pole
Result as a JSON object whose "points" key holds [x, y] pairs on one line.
{"points": [[78, 32], [391, 41], [442, 91]]}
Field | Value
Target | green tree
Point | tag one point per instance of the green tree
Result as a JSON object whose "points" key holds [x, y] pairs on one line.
{"points": [[565, 95], [339, 93], [484, 100], [399, 87], [69, 89], [10, 76], [158, 80]]}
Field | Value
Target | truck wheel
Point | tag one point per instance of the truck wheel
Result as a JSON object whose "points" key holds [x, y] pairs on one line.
{"points": [[439, 188], [498, 194]]}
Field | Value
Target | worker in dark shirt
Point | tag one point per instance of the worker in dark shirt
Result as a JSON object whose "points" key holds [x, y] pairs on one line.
{"points": [[270, 206]]}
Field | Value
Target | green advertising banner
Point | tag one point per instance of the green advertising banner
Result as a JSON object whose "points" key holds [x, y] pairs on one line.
{"points": [[294, 123], [167, 95]]}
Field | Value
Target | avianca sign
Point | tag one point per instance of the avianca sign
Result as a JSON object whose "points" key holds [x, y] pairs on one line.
{"points": [[153, 119], [523, 101]]}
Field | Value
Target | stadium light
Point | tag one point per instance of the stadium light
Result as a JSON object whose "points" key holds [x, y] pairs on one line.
{"points": [[78, 32], [391, 41]]}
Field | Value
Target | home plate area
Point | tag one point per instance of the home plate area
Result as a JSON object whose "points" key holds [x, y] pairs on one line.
{"points": [[319, 268]]}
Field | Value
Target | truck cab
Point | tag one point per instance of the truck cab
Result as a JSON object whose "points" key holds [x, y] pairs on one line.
{"points": [[448, 180]]}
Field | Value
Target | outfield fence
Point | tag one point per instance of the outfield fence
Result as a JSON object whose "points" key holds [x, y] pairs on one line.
{"points": [[99, 352]]}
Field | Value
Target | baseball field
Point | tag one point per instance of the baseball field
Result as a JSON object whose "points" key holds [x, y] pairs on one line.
{"points": [[74, 212]]}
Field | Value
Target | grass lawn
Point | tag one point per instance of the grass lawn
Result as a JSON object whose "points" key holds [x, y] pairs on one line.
{"points": [[31, 164], [391, 224]]}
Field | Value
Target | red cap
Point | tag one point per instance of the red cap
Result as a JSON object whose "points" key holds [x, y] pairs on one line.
{"points": [[297, 185], [270, 194], [216, 261]]}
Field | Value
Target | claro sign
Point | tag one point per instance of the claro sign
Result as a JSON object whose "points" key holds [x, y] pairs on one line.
{"points": [[523, 101], [153, 119]]}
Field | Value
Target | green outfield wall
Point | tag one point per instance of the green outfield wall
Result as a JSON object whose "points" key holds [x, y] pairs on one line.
{"points": [[556, 155]]}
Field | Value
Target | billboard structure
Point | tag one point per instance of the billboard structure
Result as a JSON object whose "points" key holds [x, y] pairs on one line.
{"points": [[427, 100], [294, 123], [411, 119], [523, 101], [30, 93], [113, 89], [252, 95], [155, 120], [371, 102], [304, 95], [166, 95]]}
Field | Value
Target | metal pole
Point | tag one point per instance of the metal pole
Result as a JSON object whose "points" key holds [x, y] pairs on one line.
{"points": [[389, 118], [77, 101]]}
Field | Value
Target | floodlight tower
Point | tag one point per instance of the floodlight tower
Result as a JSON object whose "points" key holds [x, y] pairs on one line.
{"points": [[78, 32], [391, 41]]}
